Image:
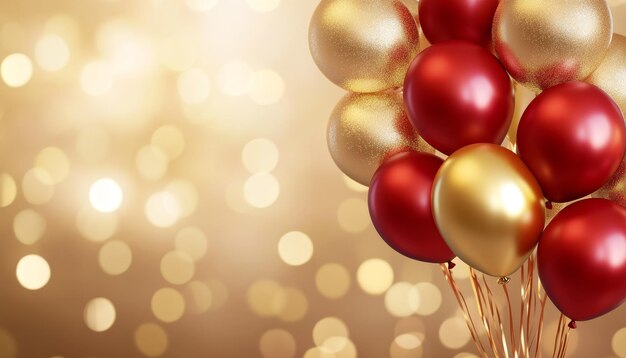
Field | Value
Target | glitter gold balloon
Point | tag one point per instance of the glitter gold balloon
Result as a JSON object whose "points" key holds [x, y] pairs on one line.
{"points": [[366, 128], [363, 46], [610, 76], [544, 43], [488, 207], [412, 5], [615, 189]]}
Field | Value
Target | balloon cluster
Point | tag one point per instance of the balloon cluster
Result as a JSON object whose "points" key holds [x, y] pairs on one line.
{"points": [[485, 203]]}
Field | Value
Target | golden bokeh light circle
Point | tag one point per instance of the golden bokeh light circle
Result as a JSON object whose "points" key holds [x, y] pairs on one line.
{"points": [[453, 333], [618, 342], [402, 299], [105, 195], [375, 276], [33, 272], [332, 280], [151, 339], [16, 69], [295, 248], [99, 314], [52, 52], [29, 226], [177, 267], [329, 327], [115, 257], [8, 190], [260, 155], [277, 343], [168, 305]]}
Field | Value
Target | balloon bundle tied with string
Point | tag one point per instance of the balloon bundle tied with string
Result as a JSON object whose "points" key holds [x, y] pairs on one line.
{"points": [[459, 99]]}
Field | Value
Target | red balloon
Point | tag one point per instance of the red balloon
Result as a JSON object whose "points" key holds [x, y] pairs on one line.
{"points": [[458, 94], [572, 137], [582, 258], [400, 206], [468, 20]]}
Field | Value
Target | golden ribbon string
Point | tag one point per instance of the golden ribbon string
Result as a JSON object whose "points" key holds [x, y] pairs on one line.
{"points": [[522, 340]]}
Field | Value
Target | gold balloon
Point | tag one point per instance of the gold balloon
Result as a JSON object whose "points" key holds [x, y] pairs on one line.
{"points": [[615, 189], [366, 128], [610, 76], [489, 208], [363, 45], [543, 43], [413, 6]]}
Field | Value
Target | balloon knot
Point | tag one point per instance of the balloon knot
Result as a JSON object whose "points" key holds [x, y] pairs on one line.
{"points": [[572, 324], [549, 204], [504, 280], [451, 265]]}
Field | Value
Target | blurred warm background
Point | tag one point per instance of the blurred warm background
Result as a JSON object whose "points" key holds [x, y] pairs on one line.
{"points": [[165, 190]]}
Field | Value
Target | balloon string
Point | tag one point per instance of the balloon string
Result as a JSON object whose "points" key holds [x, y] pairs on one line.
{"points": [[565, 341], [540, 328], [494, 309], [532, 326], [522, 311], [482, 306], [564, 335], [527, 299], [511, 329], [525, 303], [530, 296], [560, 329], [532, 316], [464, 308], [543, 299]]}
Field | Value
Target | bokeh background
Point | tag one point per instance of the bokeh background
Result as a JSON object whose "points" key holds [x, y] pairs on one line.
{"points": [[165, 190]]}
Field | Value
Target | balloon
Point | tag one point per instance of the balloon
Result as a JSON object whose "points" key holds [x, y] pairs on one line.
{"points": [[488, 208], [615, 188], [364, 129], [363, 46], [544, 43], [400, 207], [611, 75], [457, 94], [582, 258], [468, 20], [412, 5], [572, 137]]}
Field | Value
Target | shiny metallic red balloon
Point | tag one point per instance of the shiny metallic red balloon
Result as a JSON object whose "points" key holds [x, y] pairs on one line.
{"points": [[468, 20], [572, 137], [458, 94], [582, 258], [400, 206]]}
